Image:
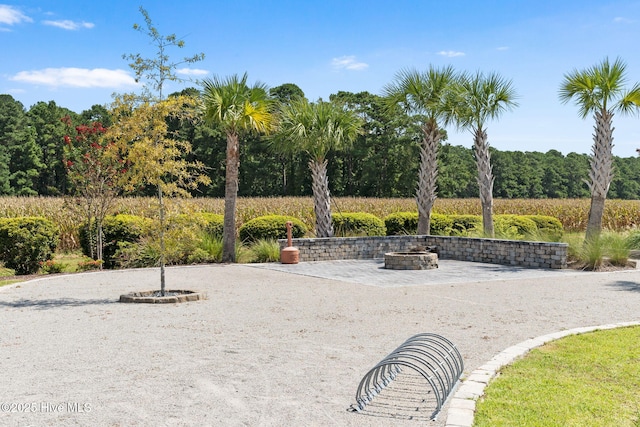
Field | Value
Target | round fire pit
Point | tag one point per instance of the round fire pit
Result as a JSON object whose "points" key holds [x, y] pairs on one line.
{"points": [[410, 260]]}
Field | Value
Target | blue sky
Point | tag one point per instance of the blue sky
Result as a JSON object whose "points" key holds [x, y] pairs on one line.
{"points": [[71, 51]]}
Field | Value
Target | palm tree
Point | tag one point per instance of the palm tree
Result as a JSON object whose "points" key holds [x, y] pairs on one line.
{"points": [[478, 99], [236, 107], [424, 94], [315, 129], [600, 91]]}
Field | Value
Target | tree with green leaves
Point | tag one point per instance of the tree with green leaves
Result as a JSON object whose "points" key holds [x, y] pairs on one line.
{"points": [[166, 165], [159, 69], [49, 132], [424, 94], [237, 108], [315, 129], [600, 90], [20, 155], [479, 98], [383, 159]]}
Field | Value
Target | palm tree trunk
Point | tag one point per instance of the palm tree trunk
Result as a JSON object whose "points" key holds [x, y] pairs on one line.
{"points": [[321, 198], [230, 197], [485, 180], [427, 175], [601, 172]]}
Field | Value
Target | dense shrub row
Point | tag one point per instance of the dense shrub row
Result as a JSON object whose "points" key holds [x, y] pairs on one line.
{"points": [[271, 227], [132, 241], [506, 226]]}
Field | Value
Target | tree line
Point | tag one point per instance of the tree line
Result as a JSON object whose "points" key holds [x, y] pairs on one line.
{"points": [[381, 162]]}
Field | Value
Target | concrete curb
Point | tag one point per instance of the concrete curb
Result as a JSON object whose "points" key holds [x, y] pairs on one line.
{"points": [[463, 403]]}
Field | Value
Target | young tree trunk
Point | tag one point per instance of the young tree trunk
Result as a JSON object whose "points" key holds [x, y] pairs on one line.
{"points": [[162, 245], [485, 180], [230, 196], [427, 176], [601, 172], [321, 198]]}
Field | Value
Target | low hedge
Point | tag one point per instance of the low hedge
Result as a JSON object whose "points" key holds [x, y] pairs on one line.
{"points": [[271, 227], [516, 227], [463, 225], [25, 242], [357, 224], [548, 227], [401, 223], [506, 226], [406, 223]]}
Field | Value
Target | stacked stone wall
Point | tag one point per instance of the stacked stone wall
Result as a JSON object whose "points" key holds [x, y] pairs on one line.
{"points": [[493, 251]]}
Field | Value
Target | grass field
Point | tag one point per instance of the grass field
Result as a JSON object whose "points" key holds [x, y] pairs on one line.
{"points": [[582, 380]]}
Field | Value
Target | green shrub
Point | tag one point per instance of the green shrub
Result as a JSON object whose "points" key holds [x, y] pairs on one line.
{"points": [[209, 223], [26, 242], [516, 227], [357, 224], [441, 225], [52, 267], [140, 254], [463, 225], [271, 227], [209, 250], [401, 223], [265, 251], [116, 230], [549, 228]]}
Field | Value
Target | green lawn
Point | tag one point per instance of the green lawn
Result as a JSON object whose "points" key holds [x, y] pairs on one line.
{"points": [[583, 380]]}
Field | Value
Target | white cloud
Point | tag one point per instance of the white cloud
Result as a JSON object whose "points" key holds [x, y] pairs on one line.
{"points": [[450, 53], [192, 71], [69, 25], [348, 63], [9, 15], [503, 48], [76, 77], [622, 20]]}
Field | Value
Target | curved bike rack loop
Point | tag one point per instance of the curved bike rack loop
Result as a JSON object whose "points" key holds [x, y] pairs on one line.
{"points": [[433, 357]]}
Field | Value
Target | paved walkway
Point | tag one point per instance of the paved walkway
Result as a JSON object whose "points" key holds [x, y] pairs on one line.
{"points": [[273, 345], [373, 273]]}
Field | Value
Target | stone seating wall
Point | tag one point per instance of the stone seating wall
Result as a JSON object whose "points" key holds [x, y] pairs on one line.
{"points": [[493, 251]]}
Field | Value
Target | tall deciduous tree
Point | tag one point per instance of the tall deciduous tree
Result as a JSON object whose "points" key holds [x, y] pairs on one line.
{"points": [[316, 128], [478, 99], [424, 94], [600, 90], [95, 167], [156, 71], [382, 161], [237, 108]]}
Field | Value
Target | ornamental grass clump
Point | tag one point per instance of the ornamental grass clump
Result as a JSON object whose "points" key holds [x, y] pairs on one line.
{"points": [[265, 251]]}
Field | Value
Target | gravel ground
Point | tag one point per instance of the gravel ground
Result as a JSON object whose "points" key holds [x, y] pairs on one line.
{"points": [[267, 347]]}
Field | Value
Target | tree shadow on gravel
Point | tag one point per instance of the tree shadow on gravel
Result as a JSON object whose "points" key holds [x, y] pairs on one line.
{"points": [[46, 304], [626, 285]]}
